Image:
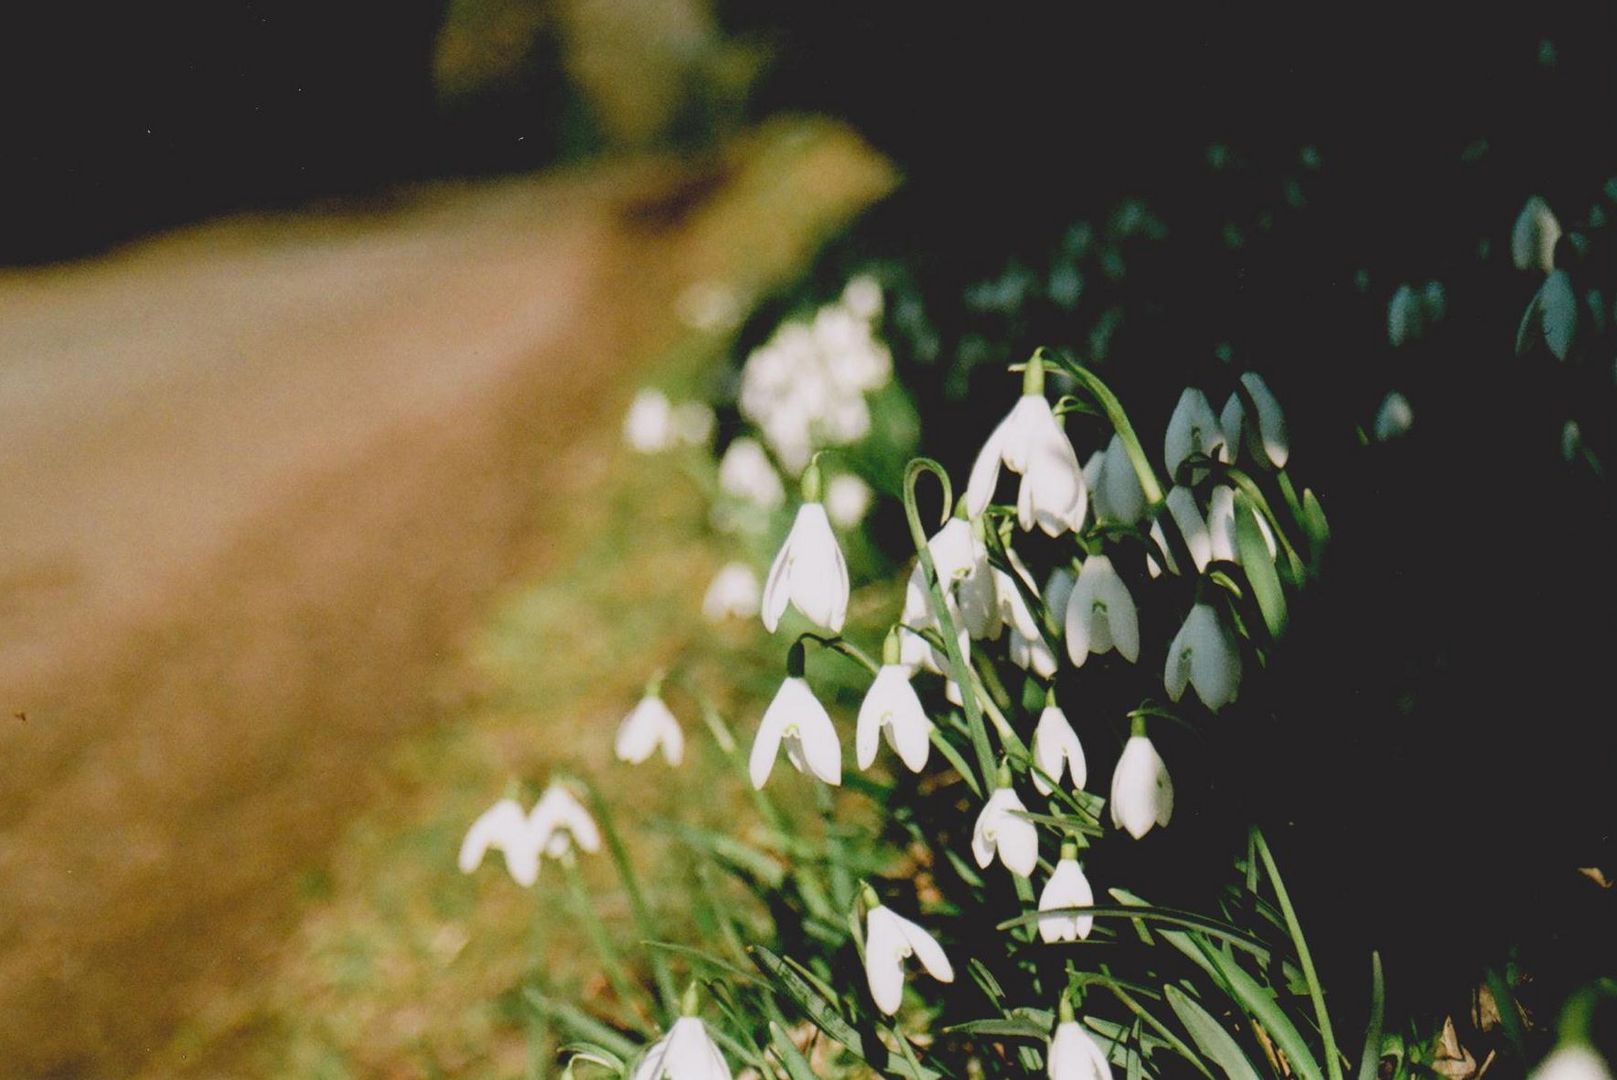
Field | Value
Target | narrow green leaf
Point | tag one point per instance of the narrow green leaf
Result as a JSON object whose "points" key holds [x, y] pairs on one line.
{"points": [[1004, 1028], [797, 1066], [1370, 1056], [1210, 1036], [1259, 567], [581, 1023]]}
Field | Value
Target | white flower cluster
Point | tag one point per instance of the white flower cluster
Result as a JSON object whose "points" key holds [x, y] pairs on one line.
{"points": [[654, 424], [556, 823]]}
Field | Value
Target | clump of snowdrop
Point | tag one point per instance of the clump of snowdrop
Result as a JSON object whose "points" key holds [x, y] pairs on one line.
{"points": [[733, 594], [809, 573], [650, 726], [890, 939], [1031, 441]]}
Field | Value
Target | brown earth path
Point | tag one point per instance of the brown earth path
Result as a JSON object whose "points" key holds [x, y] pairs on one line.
{"points": [[257, 478]]}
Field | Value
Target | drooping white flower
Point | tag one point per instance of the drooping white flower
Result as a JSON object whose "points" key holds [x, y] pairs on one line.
{"points": [[1074, 1053], [1114, 487], [1067, 888], [1204, 654], [1411, 314], [1001, 831], [961, 559], [1532, 239], [1181, 503], [1557, 312], [558, 821], [1031, 653], [648, 427], [1192, 429], [687, 1052], [1221, 526], [1572, 1061], [1142, 791], [1058, 588], [797, 719], [1267, 439], [1032, 442], [847, 500], [1056, 749], [1027, 646], [734, 593], [809, 572], [746, 473], [1100, 614], [890, 939], [649, 725], [502, 827], [1394, 418], [892, 710]]}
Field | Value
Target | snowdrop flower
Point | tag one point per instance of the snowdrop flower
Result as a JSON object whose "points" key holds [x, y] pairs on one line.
{"points": [[1556, 310], [1056, 749], [1221, 526], [1074, 1053], [1181, 503], [1058, 588], [1394, 418], [1572, 1061], [648, 726], [862, 296], [734, 593], [1100, 614], [892, 709], [558, 821], [961, 559], [1142, 792], [502, 827], [797, 719], [1031, 653], [1031, 441], [746, 473], [649, 425], [1001, 831], [1192, 429], [809, 571], [687, 1052], [1027, 646], [1114, 486], [847, 500], [1532, 239], [1405, 319], [1205, 655], [1067, 888], [890, 939], [1266, 439]]}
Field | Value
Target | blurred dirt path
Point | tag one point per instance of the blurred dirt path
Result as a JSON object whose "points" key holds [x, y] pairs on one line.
{"points": [[256, 478]]}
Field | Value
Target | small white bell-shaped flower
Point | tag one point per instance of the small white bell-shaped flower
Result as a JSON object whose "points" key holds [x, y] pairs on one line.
{"points": [[1074, 1053], [1142, 791], [558, 821], [960, 557], [1056, 749], [1002, 830], [1221, 527], [746, 473], [890, 939], [1572, 1061], [502, 827], [1394, 418], [1100, 614], [1192, 429], [1032, 442], [1181, 504], [1532, 239], [687, 1052], [1058, 588], [1067, 888], [649, 725], [1028, 649], [893, 710], [797, 719], [1266, 440], [1205, 655], [648, 426], [1114, 489], [847, 500], [809, 572], [734, 593]]}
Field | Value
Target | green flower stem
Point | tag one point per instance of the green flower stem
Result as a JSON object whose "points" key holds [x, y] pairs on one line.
{"points": [[584, 907], [1120, 423], [643, 924], [842, 645], [1333, 1056], [1249, 487]]}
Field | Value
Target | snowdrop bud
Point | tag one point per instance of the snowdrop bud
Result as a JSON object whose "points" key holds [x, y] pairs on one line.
{"points": [[1142, 792], [1532, 240], [558, 821], [847, 500], [797, 719], [687, 1052], [890, 939], [502, 827], [1067, 888], [1031, 442], [892, 709], [1394, 418], [1181, 504], [1205, 655], [649, 425], [1572, 1061], [1056, 749], [1266, 439], [1074, 1053], [746, 473], [1221, 526], [648, 726], [809, 571], [734, 593], [1192, 429], [1100, 614], [1001, 831]]}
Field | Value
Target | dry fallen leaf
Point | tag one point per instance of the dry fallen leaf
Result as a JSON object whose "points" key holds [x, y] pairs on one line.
{"points": [[1596, 875], [1449, 1059]]}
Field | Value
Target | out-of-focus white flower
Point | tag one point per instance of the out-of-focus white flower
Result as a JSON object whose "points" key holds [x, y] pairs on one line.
{"points": [[1571, 441], [892, 709], [1192, 429], [847, 500], [649, 425], [693, 423], [1074, 1053], [502, 827], [1532, 239], [1181, 503], [745, 472], [709, 306], [1204, 655], [1114, 488], [1572, 1061], [809, 572], [1100, 614], [1031, 441], [1058, 588], [1266, 440], [1000, 830], [797, 719], [649, 725], [1411, 314], [734, 593], [890, 939], [862, 296], [687, 1052], [1056, 750], [1142, 792], [1394, 418], [1555, 310], [1067, 888], [558, 821], [1221, 526]]}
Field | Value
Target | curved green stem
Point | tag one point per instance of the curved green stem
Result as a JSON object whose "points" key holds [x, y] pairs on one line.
{"points": [[842, 645], [1120, 423], [1305, 960]]}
